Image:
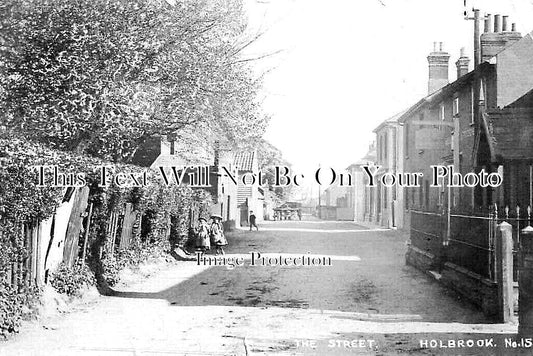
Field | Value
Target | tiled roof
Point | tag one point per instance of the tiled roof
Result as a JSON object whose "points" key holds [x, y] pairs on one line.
{"points": [[511, 133], [245, 161]]}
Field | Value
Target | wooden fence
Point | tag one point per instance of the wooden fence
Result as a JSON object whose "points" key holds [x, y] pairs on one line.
{"points": [[123, 225], [26, 270]]}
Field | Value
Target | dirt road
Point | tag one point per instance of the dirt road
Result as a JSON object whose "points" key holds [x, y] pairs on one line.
{"points": [[366, 302]]}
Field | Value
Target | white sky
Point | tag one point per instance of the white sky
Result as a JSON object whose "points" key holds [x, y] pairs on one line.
{"points": [[347, 65]]}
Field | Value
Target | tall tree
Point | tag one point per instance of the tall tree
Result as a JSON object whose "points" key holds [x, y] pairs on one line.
{"points": [[101, 76], [271, 157]]}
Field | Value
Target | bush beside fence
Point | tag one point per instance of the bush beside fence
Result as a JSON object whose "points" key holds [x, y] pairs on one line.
{"points": [[160, 217]]}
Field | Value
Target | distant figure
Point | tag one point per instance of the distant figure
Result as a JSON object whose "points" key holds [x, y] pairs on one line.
{"points": [[252, 221], [202, 235], [217, 234], [299, 212]]}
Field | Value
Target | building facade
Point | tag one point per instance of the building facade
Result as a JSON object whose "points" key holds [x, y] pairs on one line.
{"points": [[354, 201], [478, 122], [389, 151]]}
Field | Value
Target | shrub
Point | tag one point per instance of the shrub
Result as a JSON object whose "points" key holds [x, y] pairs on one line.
{"points": [[112, 266], [70, 280], [15, 305]]}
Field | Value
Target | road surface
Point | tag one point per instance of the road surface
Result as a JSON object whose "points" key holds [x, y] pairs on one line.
{"points": [[366, 302]]}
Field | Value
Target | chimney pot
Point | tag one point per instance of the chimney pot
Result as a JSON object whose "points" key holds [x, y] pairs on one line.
{"points": [[504, 23], [513, 27], [497, 25], [462, 64], [488, 23], [438, 68], [494, 43]]}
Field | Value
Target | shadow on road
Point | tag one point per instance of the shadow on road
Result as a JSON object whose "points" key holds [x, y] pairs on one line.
{"points": [[378, 284]]}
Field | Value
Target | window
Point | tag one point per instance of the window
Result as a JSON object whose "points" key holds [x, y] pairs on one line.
{"points": [[426, 193], [442, 113], [406, 139], [378, 149], [455, 106], [421, 194], [394, 149], [385, 144], [472, 105]]}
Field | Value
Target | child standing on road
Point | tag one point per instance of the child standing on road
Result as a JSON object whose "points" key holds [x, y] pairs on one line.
{"points": [[202, 235], [217, 234]]}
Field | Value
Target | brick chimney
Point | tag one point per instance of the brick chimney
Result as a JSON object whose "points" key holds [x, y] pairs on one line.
{"points": [[438, 68], [216, 146], [462, 64], [493, 43]]}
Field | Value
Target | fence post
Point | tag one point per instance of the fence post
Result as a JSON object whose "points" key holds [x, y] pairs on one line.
{"points": [[525, 284], [504, 271]]}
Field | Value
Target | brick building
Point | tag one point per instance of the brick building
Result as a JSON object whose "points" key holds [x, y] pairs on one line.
{"points": [[480, 121]]}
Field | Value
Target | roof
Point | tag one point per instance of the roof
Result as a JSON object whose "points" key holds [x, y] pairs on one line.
{"points": [[245, 161], [513, 70], [169, 161], [389, 121], [147, 152], [369, 158], [511, 133], [511, 63], [525, 101], [448, 89]]}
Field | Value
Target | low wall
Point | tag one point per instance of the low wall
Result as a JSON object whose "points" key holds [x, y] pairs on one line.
{"points": [[422, 260], [480, 291], [345, 214]]}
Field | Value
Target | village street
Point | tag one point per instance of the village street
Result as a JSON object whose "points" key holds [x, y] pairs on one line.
{"points": [[367, 302]]}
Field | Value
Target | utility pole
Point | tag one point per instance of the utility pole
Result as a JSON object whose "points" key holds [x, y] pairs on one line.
{"points": [[319, 200], [477, 61], [477, 46]]}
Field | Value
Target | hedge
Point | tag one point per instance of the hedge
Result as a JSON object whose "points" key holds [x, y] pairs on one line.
{"points": [[21, 200]]}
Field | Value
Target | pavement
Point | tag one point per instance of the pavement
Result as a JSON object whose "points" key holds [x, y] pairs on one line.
{"points": [[356, 296]]}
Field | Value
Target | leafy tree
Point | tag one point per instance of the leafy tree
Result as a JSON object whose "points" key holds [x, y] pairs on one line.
{"points": [[101, 76], [269, 157]]}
